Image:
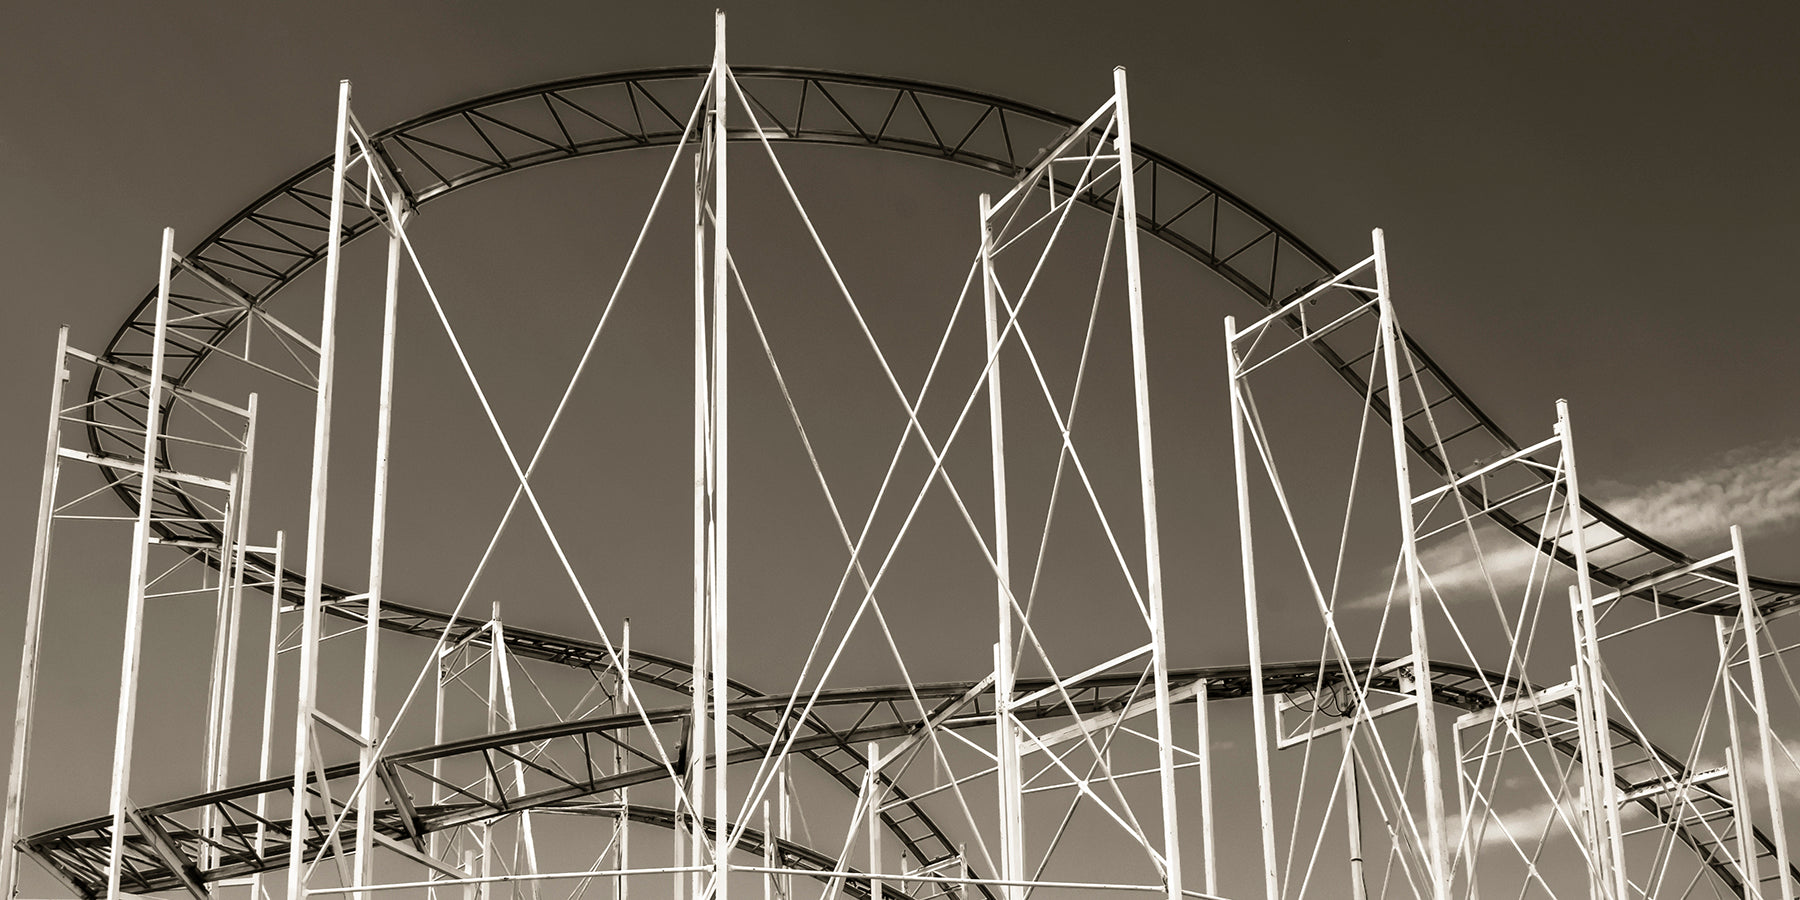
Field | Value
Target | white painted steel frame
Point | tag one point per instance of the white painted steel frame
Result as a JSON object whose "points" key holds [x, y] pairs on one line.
{"points": [[124, 731], [710, 682], [25, 706]]}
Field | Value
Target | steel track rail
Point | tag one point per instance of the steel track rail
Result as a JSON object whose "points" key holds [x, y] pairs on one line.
{"points": [[275, 239], [842, 760], [77, 853]]}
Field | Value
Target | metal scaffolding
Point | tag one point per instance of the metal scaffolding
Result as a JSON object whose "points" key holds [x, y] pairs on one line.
{"points": [[998, 786]]}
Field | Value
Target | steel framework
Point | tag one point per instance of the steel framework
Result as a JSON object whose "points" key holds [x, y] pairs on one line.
{"points": [[1058, 742]]}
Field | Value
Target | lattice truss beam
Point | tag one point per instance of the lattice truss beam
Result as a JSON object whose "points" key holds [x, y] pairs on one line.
{"points": [[283, 235], [995, 769], [1546, 778]]}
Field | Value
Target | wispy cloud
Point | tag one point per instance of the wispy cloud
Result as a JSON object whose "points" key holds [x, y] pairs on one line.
{"points": [[1523, 826], [1755, 487], [1787, 770]]}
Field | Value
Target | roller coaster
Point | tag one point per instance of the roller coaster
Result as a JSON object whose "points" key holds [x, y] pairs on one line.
{"points": [[1513, 762]]}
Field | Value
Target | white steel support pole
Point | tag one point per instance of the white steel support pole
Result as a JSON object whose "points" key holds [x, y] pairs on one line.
{"points": [[1759, 695], [1464, 828], [1734, 756], [220, 679], [1259, 707], [140, 552], [1436, 859], [1165, 726], [384, 426], [1006, 741], [315, 517], [1587, 743], [1353, 819], [873, 823], [434, 843], [34, 618], [696, 743], [1006, 732], [785, 792], [720, 606], [1203, 758], [525, 830], [678, 850], [490, 786], [768, 856], [223, 625], [621, 704], [235, 537], [264, 760], [234, 579], [1604, 793]]}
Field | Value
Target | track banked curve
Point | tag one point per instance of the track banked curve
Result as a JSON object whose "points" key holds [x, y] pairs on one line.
{"points": [[77, 853], [274, 240]]}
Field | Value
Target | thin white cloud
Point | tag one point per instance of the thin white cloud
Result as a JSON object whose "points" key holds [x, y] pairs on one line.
{"points": [[1756, 488], [1523, 826], [1787, 771]]}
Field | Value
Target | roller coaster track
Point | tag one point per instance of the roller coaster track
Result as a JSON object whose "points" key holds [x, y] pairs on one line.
{"points": [[167, 848], [271, 242], [276, 239]]}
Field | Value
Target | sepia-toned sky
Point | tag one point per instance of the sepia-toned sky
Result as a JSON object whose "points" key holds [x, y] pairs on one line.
{"points": [[1597, 202]]}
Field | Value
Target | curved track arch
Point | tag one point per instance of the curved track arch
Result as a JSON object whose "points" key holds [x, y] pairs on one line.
{"points": [[271, 242], [77, 852], [277, 238]]}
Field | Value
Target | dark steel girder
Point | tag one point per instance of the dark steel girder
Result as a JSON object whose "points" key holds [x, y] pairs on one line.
{"points": [[76, 853], [271, 242]]}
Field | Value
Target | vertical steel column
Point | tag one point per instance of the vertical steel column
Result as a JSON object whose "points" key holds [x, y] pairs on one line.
{"points": [[768, 857], [1734, 755], [1605, 795], [621, 704], [1259, 711], [873, 822], [696, 743], [1353, 820], [490, 786], [219, 676], [315, 519], [1759, 695], [1587, 741], [34, 619], [1462, 806], [265, 761], [1203, 751], [384, 426], [1006, 732], [525, 832], [1165, 726], [1436, 860], [435, 841], [234, 580], [140, 553], [785, 792], [216, 723], [720, 606], [677, 852]]}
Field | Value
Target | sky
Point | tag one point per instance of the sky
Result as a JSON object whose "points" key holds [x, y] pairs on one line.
{"points": [[1589, 202]]}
